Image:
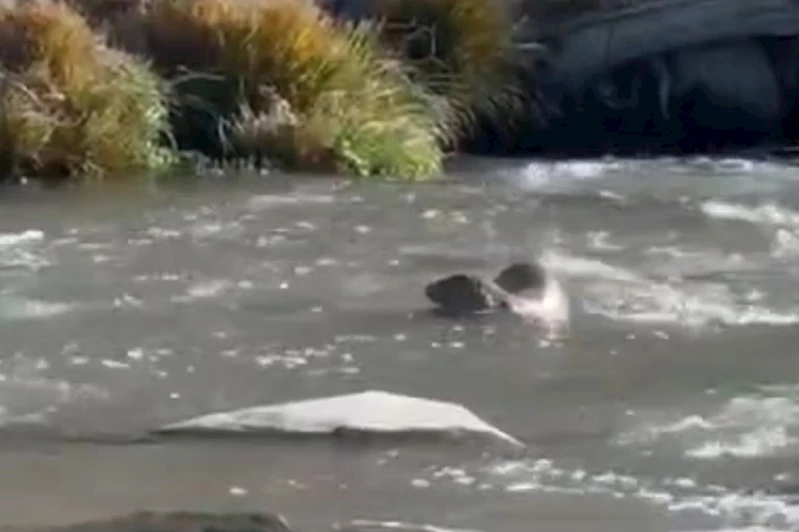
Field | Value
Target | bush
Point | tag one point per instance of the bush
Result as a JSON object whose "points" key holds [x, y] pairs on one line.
{"points": [[70, 106], [464, 51], [282, 80]]}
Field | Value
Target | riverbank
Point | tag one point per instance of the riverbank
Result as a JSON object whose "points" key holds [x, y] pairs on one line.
{"points": [[102, 89], [115, 89]]}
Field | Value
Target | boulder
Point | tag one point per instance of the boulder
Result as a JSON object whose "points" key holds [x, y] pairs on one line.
{"points": [[373, 412], [724, 90], [588, 46]]}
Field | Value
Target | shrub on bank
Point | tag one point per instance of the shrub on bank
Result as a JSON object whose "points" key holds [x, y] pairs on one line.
{"points": [[263, 79], [69, 105], [464, 51], [282, 80]]}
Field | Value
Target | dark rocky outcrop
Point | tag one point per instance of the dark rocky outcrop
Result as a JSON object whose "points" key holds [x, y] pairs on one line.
{"points": [[180, 522], [218, 522], [661, 76], [591, 45], [695, 98]]}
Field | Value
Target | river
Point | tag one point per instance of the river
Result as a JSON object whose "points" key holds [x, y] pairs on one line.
{"points": [[671, 405]]}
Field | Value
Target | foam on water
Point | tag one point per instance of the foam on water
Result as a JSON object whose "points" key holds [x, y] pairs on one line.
{"points": [[575, 266], [268, 201], [661, 172], [679, 495], [207, 289], [545, 174], [367, 524], [746, 426], [749, 510], [626, 295], [20, 250], [744, 529], [763, 214], [727, 166], [25, 237], [27, 394], [780, 221], [20, 308]]}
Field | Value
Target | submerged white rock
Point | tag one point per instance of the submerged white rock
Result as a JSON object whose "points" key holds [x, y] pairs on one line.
{"points": [[371, 411]]}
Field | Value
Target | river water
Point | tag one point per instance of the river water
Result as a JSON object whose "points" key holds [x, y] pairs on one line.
{"points": [[672, 404]]}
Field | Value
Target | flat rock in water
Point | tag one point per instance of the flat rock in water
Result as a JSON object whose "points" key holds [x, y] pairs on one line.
{"points": [[365, 525], [370, 412]]}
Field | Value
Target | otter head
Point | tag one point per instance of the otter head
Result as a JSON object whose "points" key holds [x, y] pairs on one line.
{"points": [[535, 295], [522, 277], [525, 289]]}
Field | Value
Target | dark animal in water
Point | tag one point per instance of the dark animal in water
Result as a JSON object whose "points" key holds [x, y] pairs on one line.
{"points": [[523, 288]]}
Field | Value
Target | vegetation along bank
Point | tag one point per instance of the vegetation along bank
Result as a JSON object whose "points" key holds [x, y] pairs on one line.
{"points": [[99, 89], [112, 89]]}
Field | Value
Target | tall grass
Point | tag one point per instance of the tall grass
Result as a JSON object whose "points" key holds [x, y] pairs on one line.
{"points": [[69, 105], [464, 50], [272, 80], [280, 79]]}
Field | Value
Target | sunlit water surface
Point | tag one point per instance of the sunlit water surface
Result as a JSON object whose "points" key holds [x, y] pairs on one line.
{"points": [[673, 403]]}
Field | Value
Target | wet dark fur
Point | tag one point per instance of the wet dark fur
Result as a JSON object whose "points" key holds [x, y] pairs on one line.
{"points": [[522, 276], [461, 294]]}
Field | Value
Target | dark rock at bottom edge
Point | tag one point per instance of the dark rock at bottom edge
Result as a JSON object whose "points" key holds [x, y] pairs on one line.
{"points": [[148, 521], [178, 522]]}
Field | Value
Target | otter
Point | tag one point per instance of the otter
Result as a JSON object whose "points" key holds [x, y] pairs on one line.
{"points": [[524, 288]]}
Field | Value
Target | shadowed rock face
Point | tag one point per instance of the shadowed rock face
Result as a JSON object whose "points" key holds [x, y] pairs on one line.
{"points": [[180, 522], [675, 76], [726, 90], [718, 96], [229, 522]]}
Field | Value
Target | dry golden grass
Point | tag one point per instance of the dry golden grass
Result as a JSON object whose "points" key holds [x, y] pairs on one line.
{"points": [[464, 51], [268, 79], [352, 106], [70, 106]]}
